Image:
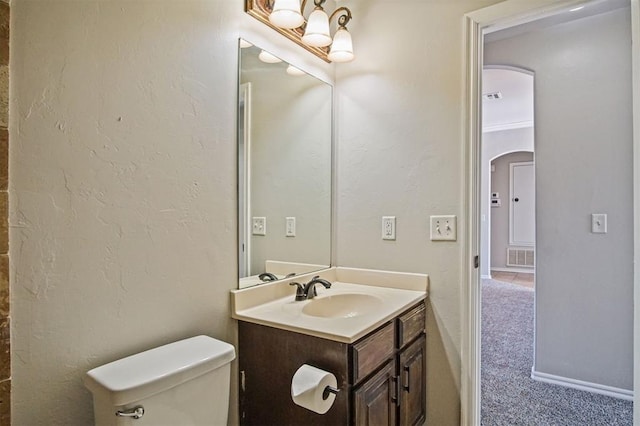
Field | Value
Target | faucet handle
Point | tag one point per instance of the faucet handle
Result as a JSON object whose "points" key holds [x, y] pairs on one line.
{"points": [[266, 277], [300, 294]]}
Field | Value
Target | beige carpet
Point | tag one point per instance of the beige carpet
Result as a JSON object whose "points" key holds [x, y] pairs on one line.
{"points": [[509, 396]]}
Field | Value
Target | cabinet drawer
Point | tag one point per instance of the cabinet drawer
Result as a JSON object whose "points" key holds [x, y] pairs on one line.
{"points": [[411, 324], [371, 352]]}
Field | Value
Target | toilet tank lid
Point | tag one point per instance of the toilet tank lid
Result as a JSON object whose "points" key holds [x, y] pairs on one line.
{"points": [[147, 373]]}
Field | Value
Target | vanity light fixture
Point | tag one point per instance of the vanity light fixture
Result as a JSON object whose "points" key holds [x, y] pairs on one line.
{"points": [[316, 33], [268, 58], [287, 16], [342, 46]]}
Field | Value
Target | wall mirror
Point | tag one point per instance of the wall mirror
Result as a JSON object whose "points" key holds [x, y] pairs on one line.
{"points": [[284, 169]]}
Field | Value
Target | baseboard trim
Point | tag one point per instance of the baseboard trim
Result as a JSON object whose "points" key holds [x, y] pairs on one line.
{"points": [[486, 277], [581, 385], [519, 270]]}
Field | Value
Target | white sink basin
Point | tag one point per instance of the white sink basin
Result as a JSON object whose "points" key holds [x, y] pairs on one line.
{"points": [[343, 305], [343, 313]]}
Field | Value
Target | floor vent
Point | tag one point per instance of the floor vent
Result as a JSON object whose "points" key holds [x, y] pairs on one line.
{"points": [[520, 257]]}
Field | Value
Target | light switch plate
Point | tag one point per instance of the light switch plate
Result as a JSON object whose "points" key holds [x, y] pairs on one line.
{"points": [[388, 227], [599, 223], [259, 226], [290, 226], [443, 228]]}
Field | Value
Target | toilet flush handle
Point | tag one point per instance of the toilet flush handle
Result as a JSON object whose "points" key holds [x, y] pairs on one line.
{"points": [[135, 412]]}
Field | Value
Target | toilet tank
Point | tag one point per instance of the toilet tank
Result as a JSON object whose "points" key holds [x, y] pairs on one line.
{"points": [[182, 383]]}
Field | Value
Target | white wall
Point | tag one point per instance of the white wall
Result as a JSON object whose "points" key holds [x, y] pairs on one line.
{"points": [[500, 215], [495, 144], [291, 138], [122, 186], [584, 290], [400, 140]]}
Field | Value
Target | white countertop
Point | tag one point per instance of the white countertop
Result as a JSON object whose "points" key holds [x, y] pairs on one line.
{"points": [[274, 304]]}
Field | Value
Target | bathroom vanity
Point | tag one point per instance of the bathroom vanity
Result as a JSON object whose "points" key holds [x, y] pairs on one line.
{"points": [[374, 344], [367, 330]]}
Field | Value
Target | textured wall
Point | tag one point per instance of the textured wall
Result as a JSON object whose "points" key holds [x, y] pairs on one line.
{"points": [[5, 353], [584, 281], [123, 186], [400, 152], [114, 190]]}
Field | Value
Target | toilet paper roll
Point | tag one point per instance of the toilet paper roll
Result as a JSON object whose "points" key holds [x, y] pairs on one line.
{"points": [[307, 388]]}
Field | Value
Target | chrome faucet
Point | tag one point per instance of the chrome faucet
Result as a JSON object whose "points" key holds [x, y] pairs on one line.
{"points": [[308, 291]]}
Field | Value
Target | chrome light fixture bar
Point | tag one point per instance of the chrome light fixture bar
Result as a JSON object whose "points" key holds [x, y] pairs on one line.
{"points": [[287, 17]]}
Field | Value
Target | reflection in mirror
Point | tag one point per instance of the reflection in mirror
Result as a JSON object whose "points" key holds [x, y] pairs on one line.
{"points": [[284, 169]]}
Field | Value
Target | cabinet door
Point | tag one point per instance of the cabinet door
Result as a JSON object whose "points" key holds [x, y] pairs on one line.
{"points": [[413, 386], [375, 402]]}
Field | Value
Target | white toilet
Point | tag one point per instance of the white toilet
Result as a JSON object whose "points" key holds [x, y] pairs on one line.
{"points": [[182, 383]]}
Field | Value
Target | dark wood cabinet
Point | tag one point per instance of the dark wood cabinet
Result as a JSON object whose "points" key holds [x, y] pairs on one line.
{"points": [[413, 394], [381, 376], [375, 402]]}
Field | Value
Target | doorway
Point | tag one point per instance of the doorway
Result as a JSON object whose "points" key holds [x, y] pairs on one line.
{"points": [[508, 243], [507, 128], [502, 16]]}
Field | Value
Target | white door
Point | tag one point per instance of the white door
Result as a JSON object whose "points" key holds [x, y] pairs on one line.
{"points": [[522, 207]]}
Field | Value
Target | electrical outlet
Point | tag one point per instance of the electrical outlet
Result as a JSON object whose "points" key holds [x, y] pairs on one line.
{"points": [[259, 225], [290, 227], [388, 227], [443, 228]]}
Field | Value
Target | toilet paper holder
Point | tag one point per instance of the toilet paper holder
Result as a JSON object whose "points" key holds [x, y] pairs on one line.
{"points": [[328, 390]]}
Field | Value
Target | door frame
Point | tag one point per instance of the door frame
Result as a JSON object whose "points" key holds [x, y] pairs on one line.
{"points": [[512, 241], [244, 188], [493, 18]]}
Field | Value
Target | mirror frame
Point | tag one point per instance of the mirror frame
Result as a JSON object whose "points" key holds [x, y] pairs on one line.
{"points": [[261, 9]]}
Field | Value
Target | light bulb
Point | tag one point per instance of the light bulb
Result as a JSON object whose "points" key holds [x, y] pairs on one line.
{"points": [[342, 46], [286, 14], [291, 70], [244, 44], [317, 31], [267, 57]]}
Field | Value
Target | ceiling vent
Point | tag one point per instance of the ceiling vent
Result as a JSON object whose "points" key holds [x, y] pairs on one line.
{"points": [[490, 96]]}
